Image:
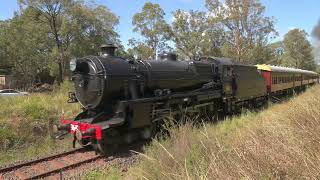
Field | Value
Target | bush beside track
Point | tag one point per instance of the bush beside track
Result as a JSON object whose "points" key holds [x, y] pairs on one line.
{"points": [[26, 123], [282, 141]]}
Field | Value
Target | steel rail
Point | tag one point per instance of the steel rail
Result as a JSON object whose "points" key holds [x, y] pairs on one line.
{"points": [[20, 165], [58, 170]]}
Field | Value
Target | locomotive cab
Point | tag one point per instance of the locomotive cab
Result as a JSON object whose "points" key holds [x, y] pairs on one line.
{"points": [[222, 73]]}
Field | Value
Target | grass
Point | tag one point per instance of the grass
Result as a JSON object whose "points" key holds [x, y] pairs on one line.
{"points": [[282, 141], [26, 123], [111, 173]]}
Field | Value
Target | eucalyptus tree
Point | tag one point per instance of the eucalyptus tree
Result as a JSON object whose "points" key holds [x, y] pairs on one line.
{"points": [[26, 47], [245, 26], [298, 50], [73, 27], [140, 50], [3, 46], [152, 27], [194, 35]]}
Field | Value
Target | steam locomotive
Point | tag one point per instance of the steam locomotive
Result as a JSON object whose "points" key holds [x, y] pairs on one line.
{"points": [[124, 99]]}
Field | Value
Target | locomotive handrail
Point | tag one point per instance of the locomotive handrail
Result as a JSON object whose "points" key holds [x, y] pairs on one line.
{"points": [[104, 69]]}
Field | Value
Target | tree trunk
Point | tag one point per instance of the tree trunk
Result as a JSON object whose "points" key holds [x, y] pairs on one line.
{"points": [[60, 49], [60, 76]]}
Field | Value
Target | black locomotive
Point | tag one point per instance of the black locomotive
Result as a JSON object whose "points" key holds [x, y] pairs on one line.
{"points": [[126, 99]]}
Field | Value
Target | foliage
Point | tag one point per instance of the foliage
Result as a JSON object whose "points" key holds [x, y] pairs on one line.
{"points": [[140, 50], [194, 36], [245, 24], [277, 49], [45, 34], [25, 49], [4, 64], [298, 50], [280, 142], [151, 25]]}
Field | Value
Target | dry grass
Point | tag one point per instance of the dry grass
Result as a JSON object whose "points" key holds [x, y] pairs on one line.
{"points": [[282, 141]]}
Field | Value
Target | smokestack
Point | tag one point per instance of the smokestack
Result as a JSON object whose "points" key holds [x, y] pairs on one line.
{"points": [[107, 50]]}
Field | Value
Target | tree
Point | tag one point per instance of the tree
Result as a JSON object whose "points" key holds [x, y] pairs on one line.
{"points": [[25, 47], [277, 49], [140, 50], [194, 35], [245, 26], [298, 50], [151, 25], [44, 34], [261, 53], [90, 27], [50, 13], [3, 34], [74, 27]]}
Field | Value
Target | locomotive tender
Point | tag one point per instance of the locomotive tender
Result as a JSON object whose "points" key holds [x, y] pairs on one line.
{"points": [[124, 100]]}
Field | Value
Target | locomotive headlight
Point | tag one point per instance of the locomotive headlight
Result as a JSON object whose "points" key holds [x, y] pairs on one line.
{"points": [[73, 64]]}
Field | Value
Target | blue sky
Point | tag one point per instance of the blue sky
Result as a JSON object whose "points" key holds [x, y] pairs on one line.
{"points": [[288, 13]]}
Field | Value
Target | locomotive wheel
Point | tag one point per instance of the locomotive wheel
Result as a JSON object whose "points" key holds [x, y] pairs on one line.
{"points": [[106, 149], [111, 142]]}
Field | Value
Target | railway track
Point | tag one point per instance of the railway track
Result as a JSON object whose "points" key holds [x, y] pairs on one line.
{"points": [[49, 167]]}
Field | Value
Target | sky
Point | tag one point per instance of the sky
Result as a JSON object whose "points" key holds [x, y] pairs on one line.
{"points": [[289, 14]]}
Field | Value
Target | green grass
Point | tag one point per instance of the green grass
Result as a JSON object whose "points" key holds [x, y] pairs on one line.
{"points": [[282, 141], [26, 123]]}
